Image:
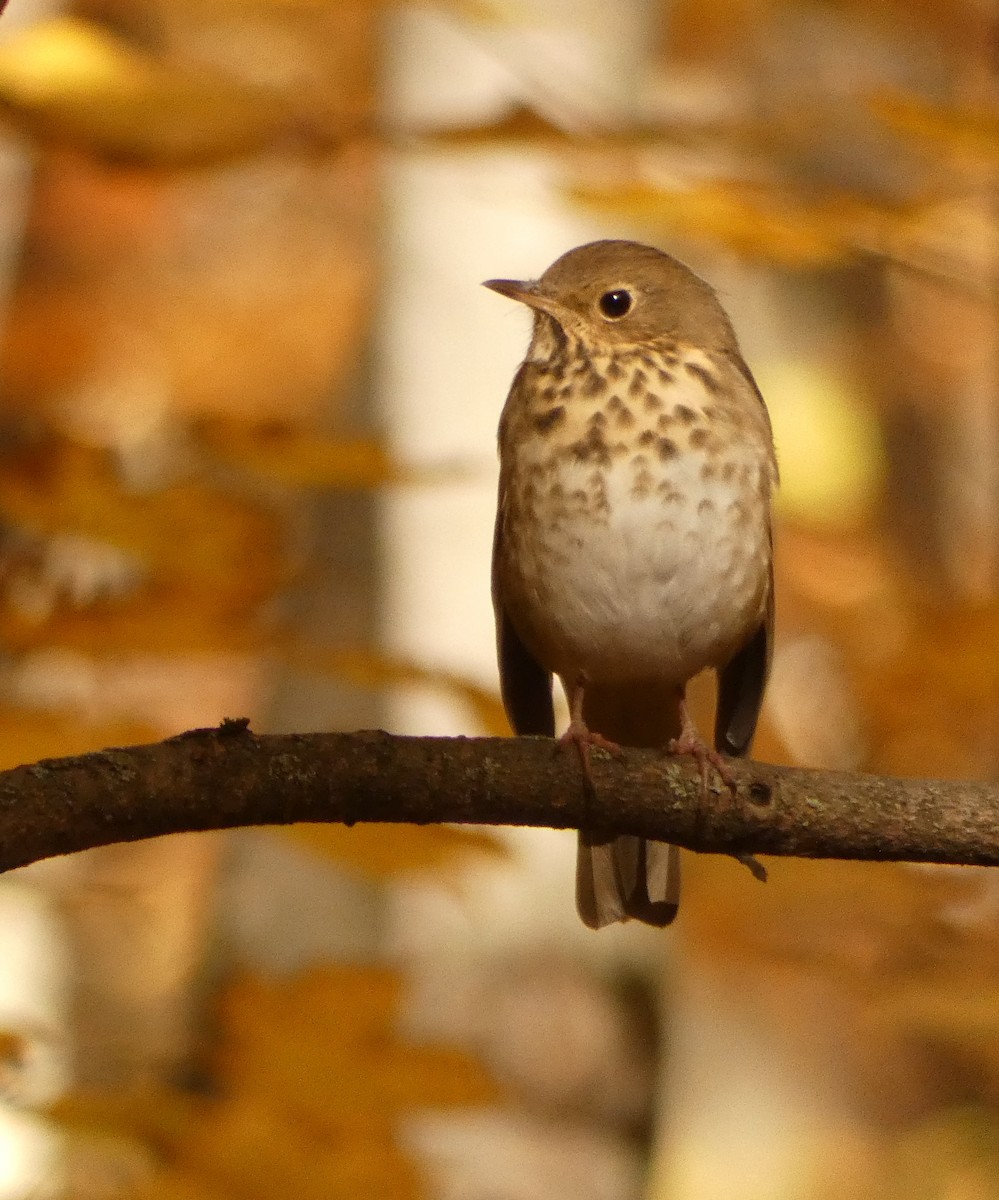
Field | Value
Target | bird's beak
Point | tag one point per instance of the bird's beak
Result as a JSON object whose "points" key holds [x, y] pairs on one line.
{"points": [[523, 290], [527, 291]]}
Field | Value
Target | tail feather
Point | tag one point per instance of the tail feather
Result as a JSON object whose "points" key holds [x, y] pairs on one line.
{"points": [[626, 877]]}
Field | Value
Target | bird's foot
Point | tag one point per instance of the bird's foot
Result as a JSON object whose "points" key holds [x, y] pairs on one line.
{"points": [[691, 742], [584, 739], [705, 757]]}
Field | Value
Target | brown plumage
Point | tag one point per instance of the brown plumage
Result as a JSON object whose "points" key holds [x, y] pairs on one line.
{"points": [[632, 546]]}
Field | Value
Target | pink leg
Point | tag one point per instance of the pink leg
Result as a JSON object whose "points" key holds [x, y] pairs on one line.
{"points": [[691, 742], [580, 735]]}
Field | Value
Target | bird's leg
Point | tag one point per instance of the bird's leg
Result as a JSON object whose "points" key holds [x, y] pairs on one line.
{"points": [[691, 742], [580, 735]]}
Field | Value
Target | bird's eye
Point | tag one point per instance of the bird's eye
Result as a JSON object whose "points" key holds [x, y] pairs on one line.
{"points": [[615, 305]]}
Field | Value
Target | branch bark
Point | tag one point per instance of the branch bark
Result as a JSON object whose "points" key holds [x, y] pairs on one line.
{"points": [[220, 778]]}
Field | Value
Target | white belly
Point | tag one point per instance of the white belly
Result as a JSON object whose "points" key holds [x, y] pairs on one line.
{"points": [[658, 586]]}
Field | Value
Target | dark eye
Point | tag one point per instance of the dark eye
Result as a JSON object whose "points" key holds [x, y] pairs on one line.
{"points": [[615, 304]]}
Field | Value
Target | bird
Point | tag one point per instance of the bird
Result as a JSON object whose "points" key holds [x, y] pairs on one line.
{"points": [[633, 540]]}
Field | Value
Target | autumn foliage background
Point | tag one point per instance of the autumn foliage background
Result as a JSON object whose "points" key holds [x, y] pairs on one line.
{"points": [[248, 388]]}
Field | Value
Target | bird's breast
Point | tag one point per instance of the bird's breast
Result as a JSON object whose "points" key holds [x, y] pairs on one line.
{"points": [[636, 536]]}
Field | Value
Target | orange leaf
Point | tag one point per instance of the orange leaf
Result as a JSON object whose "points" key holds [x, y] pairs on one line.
{"points": [[297, 458], [372, 669], [73, 81], [384, 850]]}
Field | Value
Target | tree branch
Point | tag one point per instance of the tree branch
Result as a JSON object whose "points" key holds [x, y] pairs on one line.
{"points": [[219, 778]]}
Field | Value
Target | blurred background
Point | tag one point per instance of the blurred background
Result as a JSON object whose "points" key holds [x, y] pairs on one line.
{"points": [[249, 388]]}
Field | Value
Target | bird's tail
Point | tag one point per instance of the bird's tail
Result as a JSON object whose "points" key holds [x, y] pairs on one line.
{"points": [[626, 877], [619, 878]]}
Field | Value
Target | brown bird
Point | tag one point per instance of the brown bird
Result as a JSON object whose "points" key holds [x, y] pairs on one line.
{"points": [[633, 533]]}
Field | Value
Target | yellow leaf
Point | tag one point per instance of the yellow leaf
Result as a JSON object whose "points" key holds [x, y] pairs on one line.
{"points": [[154, 1114], [311, 1083], [965, 131], [161, 618], [371, 669], [190, 532], [752, 221], [384, 850], [252, 1147], [288, 1042], [828, 444], [297, 458], [74, 82], [26, 737], [519, 125], [170, 1184]]}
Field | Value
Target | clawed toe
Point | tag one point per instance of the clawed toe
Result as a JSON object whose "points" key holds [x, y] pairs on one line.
{"points": [[706, 756], [584, 740]]}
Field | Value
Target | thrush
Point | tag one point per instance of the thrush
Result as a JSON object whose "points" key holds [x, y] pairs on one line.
{"points": [[632, 546]]}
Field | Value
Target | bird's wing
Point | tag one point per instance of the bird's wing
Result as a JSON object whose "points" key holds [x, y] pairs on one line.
{"points": [[525, 685], [740, 686]]}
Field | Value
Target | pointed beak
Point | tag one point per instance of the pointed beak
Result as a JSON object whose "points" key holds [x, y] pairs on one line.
{"points": [[527, 291], [516, 289]]}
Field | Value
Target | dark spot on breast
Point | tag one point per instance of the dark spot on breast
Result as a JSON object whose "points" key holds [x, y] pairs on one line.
{"points": [[595, 384], [708, 471], [625, 418], [652, 401], [664, 421], [667, 352], [638, 382], [565, 391], [615, 370], [548, 420], [665, 376], [728, 472], [619, 449], [548, 393], [700, 437], [684, 413], [646, 437], [666, 449], [592, 448], [706, 506], [598, 420], [704, 376]]}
